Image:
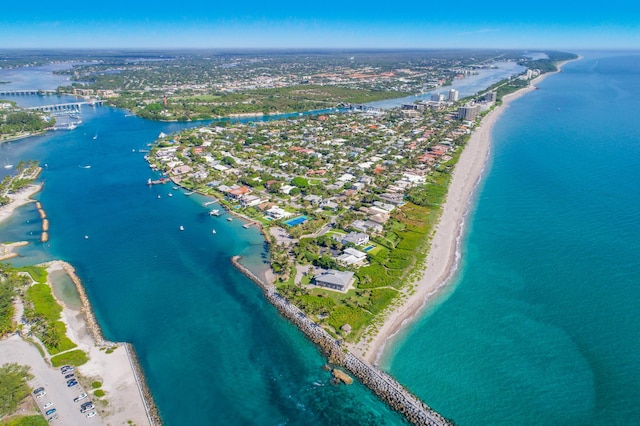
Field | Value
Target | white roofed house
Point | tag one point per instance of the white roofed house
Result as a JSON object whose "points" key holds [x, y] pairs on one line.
{"points": [[352, 257], [357, 238], [251, 200]]}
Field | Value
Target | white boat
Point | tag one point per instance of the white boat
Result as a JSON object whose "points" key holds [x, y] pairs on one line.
{"points": [[213, 231], [170, 195], [95, 137], [7, 165], [189, 193], [158, 195], [181, 228], [214, 213], [86, 237], [229, 219]]}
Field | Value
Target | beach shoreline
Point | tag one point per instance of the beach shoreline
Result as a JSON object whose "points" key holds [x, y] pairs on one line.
{"points": [[444, 252], [19, 199]]}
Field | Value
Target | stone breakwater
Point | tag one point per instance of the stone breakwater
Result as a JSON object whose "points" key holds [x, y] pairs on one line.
{"points": [[383, 385], [96, 333], [150, 407]]}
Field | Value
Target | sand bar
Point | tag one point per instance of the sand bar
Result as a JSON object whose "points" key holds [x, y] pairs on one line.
{"points": [[443, 255], [19, 199]]}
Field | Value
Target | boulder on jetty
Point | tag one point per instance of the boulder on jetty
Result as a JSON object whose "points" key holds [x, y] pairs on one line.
{"points": [[342, 376]]}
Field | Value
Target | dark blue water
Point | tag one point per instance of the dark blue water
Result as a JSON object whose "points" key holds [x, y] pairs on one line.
{"points": [[542, 324]]}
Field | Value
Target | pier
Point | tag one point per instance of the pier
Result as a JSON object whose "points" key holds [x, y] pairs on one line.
{"points": [[383, 385]]}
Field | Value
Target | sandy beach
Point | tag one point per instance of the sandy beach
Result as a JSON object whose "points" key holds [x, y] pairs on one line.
{"points": [[19, 199], [442, 260]]}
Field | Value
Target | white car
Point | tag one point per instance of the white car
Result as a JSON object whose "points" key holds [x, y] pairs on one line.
{"points": [[91, 414], [80, 397], [47, 405], [41, 394]]}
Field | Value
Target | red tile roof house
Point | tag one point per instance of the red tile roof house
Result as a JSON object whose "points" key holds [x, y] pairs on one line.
{"points": [[237, 193]]}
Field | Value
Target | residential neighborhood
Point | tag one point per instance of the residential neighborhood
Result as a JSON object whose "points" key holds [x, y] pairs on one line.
{"points": [[347, 197]]}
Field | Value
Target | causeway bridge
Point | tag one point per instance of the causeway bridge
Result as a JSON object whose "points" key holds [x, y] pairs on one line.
{"points": [[27, 92], [69, 106]]}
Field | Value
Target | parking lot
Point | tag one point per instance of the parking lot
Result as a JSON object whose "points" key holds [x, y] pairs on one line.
{"points": [[52, 380]]}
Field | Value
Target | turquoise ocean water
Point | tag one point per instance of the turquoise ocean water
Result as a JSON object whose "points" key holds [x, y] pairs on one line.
{"points": [[542, 323]]}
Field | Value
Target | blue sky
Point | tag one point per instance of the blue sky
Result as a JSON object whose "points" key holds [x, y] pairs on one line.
{"points": [[319, 24]]}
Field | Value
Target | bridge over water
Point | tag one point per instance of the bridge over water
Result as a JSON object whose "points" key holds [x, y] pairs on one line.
{"points": [[27, 92], [69, 106]]}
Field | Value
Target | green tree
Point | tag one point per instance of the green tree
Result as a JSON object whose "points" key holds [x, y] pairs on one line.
{"points": [[13, 387]]}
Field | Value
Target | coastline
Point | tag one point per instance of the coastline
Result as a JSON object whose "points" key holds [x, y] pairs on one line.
{"points": [[114, 362], [19, 199], [444, 252]]}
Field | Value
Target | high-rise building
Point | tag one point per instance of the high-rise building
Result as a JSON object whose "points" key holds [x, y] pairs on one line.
{"points": [[468, 113], [437, 97], [491, 96], [453, 95]]}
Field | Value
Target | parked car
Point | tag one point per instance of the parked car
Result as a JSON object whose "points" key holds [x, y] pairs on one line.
{"points": [[41, 394], [91, 414], [68, 376], [87, 408], [50, 412], [52, 418], [71, 383], [47, 405], [66, 369], [80, 397], [37, 391], [86, 404]]}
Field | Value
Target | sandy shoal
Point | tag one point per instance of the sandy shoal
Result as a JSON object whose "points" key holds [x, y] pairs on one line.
{"points": [[442, 259], [19, 199]]}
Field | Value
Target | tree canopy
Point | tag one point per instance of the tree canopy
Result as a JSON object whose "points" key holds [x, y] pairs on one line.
{"points": [[13, 386]]}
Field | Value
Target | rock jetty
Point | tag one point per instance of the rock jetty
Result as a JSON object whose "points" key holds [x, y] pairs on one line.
{"points": [[383, 385]]}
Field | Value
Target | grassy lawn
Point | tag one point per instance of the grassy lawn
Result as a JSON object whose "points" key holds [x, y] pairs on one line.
{"points": [[75, 358], [38, 273], [26, 421], [46, 307], [43, 302]]}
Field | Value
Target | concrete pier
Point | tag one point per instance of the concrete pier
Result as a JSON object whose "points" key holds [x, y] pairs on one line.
{"points": [[383, 385]]}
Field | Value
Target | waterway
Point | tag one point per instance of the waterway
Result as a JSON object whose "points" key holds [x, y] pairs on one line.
{"points": [[213, 350]]}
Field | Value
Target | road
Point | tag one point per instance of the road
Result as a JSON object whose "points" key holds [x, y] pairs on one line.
{"points": [[14, 349]]}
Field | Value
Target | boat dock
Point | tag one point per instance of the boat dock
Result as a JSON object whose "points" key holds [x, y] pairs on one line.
{"points": [[157, 182]]}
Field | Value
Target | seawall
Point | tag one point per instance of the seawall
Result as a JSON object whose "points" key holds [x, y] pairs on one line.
{"points": [[383, 385]]}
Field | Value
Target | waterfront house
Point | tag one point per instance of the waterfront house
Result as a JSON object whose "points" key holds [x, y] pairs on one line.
{"points": [[357, 238], [352, 257], [335, 280]]}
